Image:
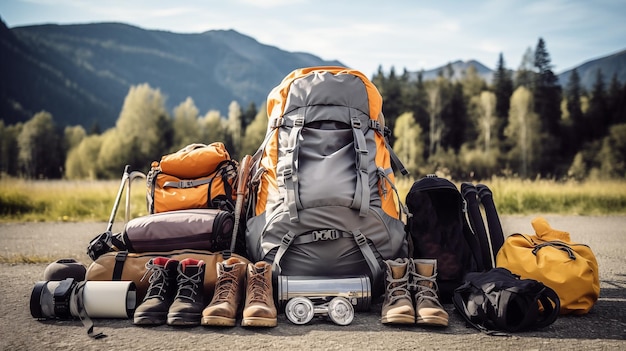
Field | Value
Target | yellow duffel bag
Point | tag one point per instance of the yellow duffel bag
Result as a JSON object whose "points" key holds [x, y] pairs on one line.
{"points": [[570, 269]]}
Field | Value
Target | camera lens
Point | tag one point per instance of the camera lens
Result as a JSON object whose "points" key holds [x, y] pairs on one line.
{"points": [[35, 300]]}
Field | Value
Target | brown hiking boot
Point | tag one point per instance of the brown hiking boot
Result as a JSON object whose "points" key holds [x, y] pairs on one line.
{"points": [[397, 306], [153, 310], [229, 288], [428, 309], [189, 301], [259, 309]]}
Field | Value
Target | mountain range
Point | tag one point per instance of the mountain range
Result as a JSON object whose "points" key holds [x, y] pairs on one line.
{"points": [[82, 73]]}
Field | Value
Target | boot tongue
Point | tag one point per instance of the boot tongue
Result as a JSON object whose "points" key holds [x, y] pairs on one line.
{"points": [[228, 265], [426, 270], [191, 270], [398, 271], [260, 267]]}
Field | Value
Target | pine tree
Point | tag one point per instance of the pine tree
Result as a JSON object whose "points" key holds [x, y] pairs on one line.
{"points": [[597, 117], [615, 100], [503, 89], [547, 98], [547, 91]]}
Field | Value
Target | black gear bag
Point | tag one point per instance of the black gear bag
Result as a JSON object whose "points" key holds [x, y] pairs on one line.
{"points": [[499, 301]]}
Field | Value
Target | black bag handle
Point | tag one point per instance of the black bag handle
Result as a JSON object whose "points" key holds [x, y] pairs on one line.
{"points": [[547, 298]]}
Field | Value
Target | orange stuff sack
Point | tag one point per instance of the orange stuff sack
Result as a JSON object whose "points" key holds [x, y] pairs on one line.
{"points": [[197, 176], [570, 269], [194, 160]]}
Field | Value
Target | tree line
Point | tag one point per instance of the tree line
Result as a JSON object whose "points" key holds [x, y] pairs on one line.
{"points": [[523, 123]]}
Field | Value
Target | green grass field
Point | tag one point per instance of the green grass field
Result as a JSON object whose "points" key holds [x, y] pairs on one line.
{"points": [[72, 201]]}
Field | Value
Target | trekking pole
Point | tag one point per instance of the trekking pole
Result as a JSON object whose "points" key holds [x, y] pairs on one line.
{"points": [[242, 182], [133, 175], [118, 198]]}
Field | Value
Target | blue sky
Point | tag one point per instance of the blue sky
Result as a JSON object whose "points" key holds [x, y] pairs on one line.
{"points": [[364, 34]]}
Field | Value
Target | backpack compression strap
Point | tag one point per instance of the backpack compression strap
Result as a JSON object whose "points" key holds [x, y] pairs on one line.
{"points": [[329, 234], [362, 180], [290, 176]]}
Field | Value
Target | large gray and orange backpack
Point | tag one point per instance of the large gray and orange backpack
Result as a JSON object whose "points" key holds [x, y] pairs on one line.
{"points": [[321, 199]]}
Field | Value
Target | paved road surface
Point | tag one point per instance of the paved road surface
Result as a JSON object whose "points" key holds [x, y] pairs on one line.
{"points": [[604, 328]]}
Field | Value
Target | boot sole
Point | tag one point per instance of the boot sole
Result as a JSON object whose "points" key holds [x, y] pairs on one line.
{"points": [[218, 321], [259, 322], [398, 319], [432, 321], [183, 319], [149, 318]]}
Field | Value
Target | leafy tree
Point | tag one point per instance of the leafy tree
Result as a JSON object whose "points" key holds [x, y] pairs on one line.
{"points": [[523, 133], [142, 133], [391, 91], [409, 145], [487, 120], [80, 159], [185, 125], [213, 127], [72, 136], [435, 106], [9, 148], [234, 129], [255, 133], [39, 153], [472, 83], [612, 156], [524, 76]]}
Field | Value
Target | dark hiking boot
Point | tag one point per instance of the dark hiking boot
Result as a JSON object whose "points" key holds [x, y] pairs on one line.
{"points": [[153, 310], [259, 309], [189, 301], [428, 309], [397, 306], [229, 288]]}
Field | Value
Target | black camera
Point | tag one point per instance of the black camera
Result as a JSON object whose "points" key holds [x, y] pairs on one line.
{"points": [[71, 299]]}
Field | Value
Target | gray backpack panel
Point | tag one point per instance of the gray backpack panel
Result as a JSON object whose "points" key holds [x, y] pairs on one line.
{"points": [[325, 218]]}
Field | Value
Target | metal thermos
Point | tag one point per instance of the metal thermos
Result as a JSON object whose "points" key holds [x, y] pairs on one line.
{"points": [[321, 289]]}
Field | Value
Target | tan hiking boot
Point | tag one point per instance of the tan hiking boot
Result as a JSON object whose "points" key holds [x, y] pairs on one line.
{"points": [[428, 309], [189, 301], [397, 306], [259, 309], [229, 288]]}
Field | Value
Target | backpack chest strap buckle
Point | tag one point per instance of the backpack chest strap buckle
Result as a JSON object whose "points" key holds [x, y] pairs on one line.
{"points": [[326, 234]]}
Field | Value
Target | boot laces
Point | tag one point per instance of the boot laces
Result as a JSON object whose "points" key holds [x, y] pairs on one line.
{"points": [[259, 287], [158, 280], [424, 291], [188, 285], [225, 286], [397, 289]]}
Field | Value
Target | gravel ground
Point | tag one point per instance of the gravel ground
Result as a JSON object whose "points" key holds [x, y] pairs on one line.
{"points": [[604, 328]]}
